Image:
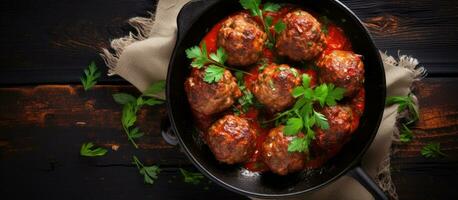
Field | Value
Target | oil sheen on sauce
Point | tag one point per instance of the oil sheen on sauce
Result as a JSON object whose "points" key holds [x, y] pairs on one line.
{"points": [[335, 40]]}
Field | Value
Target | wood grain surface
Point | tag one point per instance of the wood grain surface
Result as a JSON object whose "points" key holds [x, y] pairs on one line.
{"points": [[44, 126], [51, 41], [45, 115]]}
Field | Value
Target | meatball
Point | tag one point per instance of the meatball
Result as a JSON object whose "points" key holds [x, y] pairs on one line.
{"points": [[341, 121], [342, 68], [302, 39], [210, 98], [242, 38], [276, 156], [231, 139], [273, 86]]}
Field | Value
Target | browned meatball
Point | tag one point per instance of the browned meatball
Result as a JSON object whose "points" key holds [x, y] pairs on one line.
{"points": [[274, 85], [341, 125], [210, 98], [242, 38], [342, 68], [231, 139], [302, 39], [276, 156]]}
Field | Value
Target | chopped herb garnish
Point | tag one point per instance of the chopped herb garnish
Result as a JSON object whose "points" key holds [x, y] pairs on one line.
{"points": [[86, 150], [91, 74], [302, 117], [215, 61], [404, 102], [279, 27], [253, 6], [406, 135], [432, 150], [213, 74], [131, 105], [270, 7], [247, 98], [191, 177], [149, 172]]}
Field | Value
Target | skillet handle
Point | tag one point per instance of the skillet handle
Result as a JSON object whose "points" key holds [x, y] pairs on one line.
{"points": [[361, 176], [167, 133]]}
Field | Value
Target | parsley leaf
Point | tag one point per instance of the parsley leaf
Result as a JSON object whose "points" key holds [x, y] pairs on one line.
{"points": [[279, 27], [155, 88], [191, 177], [406, 134], [213, 74], [321, 92], [334, 93], [132, 105], [199, 55], [91, 74], [86, 150], [432, 150], [404, 102], [269, 20], [293, 126], [270, 7], [123, 98], [253, 7], [321, 120], [149, 172], [306, 79], [302, 117], [220, 56], [215, 61], [298, 144], [247, 98]]}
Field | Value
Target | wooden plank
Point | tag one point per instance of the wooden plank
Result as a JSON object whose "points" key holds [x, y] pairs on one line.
{"points": [[415, 176], [425, 29], [52, 41], [42, 128]]}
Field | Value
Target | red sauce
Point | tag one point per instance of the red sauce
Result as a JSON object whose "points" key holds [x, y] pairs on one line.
{"points": [[251, 78], [268, 54], [336, 39], [211, 37]]}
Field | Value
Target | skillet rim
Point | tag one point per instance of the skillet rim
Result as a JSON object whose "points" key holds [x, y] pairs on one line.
{"points": [[353, 164]]}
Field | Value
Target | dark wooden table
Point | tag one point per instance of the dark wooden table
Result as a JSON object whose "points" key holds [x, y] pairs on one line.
{"points": [[45, 115]]}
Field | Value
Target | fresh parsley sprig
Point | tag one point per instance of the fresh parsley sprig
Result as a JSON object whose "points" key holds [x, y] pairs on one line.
{"points": [[191, 177], [131, 105], [432, 150], [91, 74], [253, 6], [406, 135], [247, 98], [86, 150], [302, 117], [404, 102], [215, 62], [150, 173]]}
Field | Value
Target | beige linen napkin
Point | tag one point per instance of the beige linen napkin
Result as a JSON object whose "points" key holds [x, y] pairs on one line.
{"points": [[143, 58]]}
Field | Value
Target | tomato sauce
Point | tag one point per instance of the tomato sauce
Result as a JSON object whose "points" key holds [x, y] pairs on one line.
{"points": [[211, 37], [335, 39], [255, 162]]}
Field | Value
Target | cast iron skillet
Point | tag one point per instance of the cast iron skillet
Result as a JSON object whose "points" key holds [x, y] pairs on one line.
{"points": [[194, 20]]}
